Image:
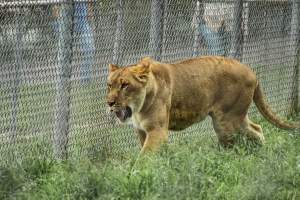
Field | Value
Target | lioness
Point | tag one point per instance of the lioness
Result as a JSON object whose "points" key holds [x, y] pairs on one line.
{"points": [[156, 97]]}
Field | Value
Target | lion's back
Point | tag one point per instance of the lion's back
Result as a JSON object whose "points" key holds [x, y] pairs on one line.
{"points": [[198, 83]]}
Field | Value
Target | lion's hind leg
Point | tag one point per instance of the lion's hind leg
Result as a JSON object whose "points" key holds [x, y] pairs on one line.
{"points": [[228, 125], [252, 131], [226, 128]]}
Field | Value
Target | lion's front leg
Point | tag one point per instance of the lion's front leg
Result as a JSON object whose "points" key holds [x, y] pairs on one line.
{"points": [[155, 125], [154, 139], [142, 136]]}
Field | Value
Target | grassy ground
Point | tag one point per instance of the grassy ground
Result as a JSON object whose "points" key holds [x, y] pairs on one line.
{"points": [[196, 168]]}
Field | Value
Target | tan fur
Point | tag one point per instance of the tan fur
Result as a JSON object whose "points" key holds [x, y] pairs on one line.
{"points": [[174, 96]]}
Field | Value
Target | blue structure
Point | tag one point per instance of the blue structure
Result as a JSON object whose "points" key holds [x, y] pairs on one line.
{"points": [[216, 41], [85, 35]]}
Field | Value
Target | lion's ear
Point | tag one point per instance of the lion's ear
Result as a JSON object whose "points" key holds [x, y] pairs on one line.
{"points": [[141, 72], [143, 77], [112, 67], [146, 61]]}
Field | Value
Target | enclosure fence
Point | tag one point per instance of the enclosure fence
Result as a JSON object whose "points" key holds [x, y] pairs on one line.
{"points": [[54, 57]]}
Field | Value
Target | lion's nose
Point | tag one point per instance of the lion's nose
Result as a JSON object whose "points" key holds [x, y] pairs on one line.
{"points": [[111, 103]]}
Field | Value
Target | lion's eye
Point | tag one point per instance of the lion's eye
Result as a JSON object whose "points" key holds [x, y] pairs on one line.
{"points": [[124, 86]]}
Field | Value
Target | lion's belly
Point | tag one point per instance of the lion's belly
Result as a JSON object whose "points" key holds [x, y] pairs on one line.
{"points": [[189, 105], [182, 119]]}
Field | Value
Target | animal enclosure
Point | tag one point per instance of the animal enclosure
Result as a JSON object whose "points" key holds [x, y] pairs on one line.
{"points": [[55, 54]]}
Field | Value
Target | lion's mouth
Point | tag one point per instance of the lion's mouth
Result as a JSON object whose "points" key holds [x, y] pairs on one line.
{"points": [[124, 113]]}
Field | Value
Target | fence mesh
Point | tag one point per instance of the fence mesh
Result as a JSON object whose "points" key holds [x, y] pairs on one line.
{"points": [[54, 58]]}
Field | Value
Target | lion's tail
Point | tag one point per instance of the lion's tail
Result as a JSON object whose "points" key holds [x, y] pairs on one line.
{"points": [[266, 111]]}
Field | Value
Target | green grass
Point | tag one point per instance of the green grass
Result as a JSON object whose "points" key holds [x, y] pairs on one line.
{"points": [[195, 168]]}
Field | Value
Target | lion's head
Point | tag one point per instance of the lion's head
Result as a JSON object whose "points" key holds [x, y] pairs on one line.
{"points": [[126, 88]]}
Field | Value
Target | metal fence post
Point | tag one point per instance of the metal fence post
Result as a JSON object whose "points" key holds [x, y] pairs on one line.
{"points": [[16, 80], [65, 30], [156, 30], [237, 37], [295, 44], [119, 35], [198, 17]]}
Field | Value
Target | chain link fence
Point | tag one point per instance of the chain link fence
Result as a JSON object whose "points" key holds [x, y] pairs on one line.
{"points": [[55, 53]]}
